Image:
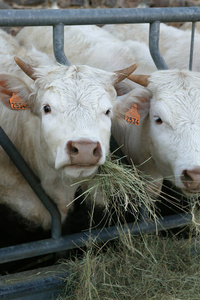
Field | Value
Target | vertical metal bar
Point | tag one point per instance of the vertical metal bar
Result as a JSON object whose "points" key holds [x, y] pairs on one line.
{"points": [[154, 31], [33, 181], [58, 44], [192, 46]]}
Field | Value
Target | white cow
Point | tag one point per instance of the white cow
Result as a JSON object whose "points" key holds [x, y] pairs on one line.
{"points": [[165, 143], [59, 118], [174, 43], [90, 45]]}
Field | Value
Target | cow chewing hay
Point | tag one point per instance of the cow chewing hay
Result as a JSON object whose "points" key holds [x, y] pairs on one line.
{"points": [[124, 189]]}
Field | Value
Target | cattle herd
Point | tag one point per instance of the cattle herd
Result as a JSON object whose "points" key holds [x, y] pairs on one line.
{"points": [[60, 118]]}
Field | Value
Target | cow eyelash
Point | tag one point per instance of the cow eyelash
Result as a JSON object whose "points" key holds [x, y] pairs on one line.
{"points": [[47, 109]]}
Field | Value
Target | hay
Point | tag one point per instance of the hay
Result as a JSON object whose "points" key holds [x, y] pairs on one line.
{"points": [[148, 267], [141, 267], [195, 211], [123, 188]]}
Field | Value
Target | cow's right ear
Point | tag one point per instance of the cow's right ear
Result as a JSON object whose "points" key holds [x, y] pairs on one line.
{"points": [[14, 93], [135, 102]]}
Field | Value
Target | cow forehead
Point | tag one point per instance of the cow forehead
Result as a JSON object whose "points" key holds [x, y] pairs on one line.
{"points": [[73, 103], [69, 100], [176, 96], [60, 75], [77, 89], [173, 81], [175, 88]]}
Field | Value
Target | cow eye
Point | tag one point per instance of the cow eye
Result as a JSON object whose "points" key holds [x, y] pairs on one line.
{"points": [[47, 109], [158, 120], [108, 112]]}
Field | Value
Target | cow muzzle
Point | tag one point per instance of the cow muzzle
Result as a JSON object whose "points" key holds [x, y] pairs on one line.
{"points": [[191, 180], [84, 152]]}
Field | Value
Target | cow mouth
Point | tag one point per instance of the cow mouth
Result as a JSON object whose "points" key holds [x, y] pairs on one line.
{"points": [[79, 167], [75, 166], [79, 170]]}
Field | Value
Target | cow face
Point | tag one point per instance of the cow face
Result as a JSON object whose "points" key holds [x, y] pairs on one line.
{"points": [[75, 116], [174, 125], [73, 106]]}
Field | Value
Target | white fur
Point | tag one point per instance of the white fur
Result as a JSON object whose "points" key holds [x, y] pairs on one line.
{"points": [[171, 95], [174, 43], [173, 146], [90, 45]]}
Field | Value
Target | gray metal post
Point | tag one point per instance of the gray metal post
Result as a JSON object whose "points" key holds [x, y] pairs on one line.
{"points": [[192, 46], [58, 44], [154, 32]]}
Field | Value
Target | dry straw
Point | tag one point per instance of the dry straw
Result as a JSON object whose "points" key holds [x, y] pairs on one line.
{"points": [[123, 188], [147, 267], [142, 267]]}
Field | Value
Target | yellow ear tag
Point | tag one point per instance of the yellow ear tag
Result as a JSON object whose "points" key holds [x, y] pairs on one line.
{"points": [[16, 102], [132, 116]]}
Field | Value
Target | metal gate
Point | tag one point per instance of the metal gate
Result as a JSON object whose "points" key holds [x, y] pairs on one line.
{"points": [[48, 286]]}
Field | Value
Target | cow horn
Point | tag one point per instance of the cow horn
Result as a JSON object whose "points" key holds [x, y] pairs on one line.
{"points": [[26, 68], [124, 73], [140, 79]]}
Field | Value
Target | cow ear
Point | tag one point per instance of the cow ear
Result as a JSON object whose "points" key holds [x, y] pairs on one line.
{"points": [[14, 93], [134, 105], [122, 88]]}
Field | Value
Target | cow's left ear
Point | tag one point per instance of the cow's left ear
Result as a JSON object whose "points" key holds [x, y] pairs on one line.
{"points": [[122, 88], [133, 106], [14, 93]]}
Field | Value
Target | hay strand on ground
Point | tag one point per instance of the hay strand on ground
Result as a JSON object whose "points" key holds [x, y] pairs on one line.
{"points": [[150, 268], [135, 267]]}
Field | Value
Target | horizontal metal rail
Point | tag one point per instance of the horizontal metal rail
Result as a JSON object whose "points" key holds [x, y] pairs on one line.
{"points": [[59, 18], [42, 17], [72, 241], [40, 284]]}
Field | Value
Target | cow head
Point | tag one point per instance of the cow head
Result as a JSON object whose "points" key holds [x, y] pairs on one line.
{"points": [[73, 106], [171, 105]]}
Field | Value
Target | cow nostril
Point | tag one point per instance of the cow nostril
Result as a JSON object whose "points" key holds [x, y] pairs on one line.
{"points": [[191, 179], [84, 152], [97, 150], [186, 176], [72, 150]]}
